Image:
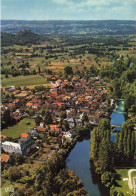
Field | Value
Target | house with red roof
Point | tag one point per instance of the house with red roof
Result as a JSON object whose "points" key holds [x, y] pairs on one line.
{"points": [[41, 129], [24, 136], [3, 138], [5, 158]]}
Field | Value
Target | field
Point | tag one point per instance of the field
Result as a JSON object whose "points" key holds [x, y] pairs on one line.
{"points": [[23, 81], [22, 127], [5, 184], [122, 186]]}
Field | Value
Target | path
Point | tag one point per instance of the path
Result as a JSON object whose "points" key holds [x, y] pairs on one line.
{"points": [[129, 178]]}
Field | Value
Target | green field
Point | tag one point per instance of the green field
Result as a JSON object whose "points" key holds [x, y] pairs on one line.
{"points": [[23, 81], [22, 127], [122, 186], [5, 184]]}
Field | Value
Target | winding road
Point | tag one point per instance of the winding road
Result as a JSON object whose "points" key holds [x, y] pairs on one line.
{"points": [[129, 178]]}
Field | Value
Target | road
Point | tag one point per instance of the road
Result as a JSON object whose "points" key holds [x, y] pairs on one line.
{"points": [[129, 178]]}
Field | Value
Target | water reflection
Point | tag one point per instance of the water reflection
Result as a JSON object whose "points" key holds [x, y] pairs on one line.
{"points": [[117, 118], [78, 161]]}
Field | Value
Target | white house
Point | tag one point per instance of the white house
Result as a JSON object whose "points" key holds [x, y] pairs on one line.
{"points": [[71, 122], [11, 147], [78, 122], [21, 148]]}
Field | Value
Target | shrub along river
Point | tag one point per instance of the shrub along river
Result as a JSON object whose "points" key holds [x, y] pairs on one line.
{"points": [[78, 159]]}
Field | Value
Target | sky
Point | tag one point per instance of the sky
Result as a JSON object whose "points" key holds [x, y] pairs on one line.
{"points": [[68, 9]]}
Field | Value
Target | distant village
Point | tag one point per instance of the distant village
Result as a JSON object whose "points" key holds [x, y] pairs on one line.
{"points": [[80, 99]]}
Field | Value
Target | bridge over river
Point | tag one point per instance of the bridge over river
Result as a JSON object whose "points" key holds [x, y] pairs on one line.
{"points": [[96, 124]]}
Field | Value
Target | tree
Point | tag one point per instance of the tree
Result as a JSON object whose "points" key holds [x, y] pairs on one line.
{"points": [[85, 117], [125, 143], [107, 178], [38, 119], [19, 159], [14, 173], [48, 117], [6, 117], [63, 115], [68, 70]]}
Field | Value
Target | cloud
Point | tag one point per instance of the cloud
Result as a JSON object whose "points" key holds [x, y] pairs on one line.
{"points": [[64, 2]]}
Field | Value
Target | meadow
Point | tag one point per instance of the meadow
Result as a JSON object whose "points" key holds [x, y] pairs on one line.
{"points": [[23, 81], [23, 126]]}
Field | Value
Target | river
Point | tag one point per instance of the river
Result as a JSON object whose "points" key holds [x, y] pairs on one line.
{"points": [[78, 159]]}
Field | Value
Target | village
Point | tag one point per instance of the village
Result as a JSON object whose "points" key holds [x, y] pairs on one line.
{"points": [[68, 105]]}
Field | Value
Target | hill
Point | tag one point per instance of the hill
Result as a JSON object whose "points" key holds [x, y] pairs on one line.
{"points": [[21, 38], [101, 27]]}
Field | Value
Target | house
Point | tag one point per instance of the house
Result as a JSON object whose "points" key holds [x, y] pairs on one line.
{"points": [[42, 124], [24, 136], [41, 129], [11, 147], [35, 106], [29, 104], [3, 138], [21, 148], [33, 132], [58, 82], [27, 146], [17, 118], [71, 122], [55, 128], [78, 122], [5, 158]]}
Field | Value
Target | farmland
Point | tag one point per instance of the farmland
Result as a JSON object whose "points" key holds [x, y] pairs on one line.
{"points": [[32, 64]]}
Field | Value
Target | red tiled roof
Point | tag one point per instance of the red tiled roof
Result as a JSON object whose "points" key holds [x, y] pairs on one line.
{"points": [[35, 104], [28, 104], [24, 135], [17, 117], [2, 137], [55, 129], [41, 129], [51, 125], [5, 158]]}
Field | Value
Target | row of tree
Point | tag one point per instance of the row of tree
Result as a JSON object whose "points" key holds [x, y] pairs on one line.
{"points": [[106, 155]]}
